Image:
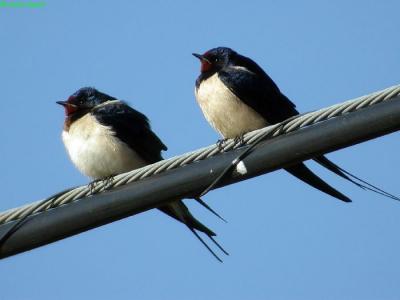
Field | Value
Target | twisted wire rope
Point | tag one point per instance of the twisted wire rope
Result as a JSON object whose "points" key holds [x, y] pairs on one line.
{"points": [[307, 119]]}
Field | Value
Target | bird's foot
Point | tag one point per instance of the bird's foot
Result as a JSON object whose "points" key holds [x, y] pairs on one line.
{"points": [[107, 181], [221, 144], [92, 186], [238, 140]]}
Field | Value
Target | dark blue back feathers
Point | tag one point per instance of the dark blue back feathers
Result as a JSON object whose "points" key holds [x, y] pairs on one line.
{"points": [[256, 89], [133, 128]]}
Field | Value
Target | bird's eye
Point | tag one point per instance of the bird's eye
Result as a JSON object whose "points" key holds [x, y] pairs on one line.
{"points": [[216, 59]]}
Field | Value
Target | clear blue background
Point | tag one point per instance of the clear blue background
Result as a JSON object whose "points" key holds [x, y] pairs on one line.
{"points": [[287, 240]]}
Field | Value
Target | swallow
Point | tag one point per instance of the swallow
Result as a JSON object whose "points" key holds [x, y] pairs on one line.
{"points": [[104, 137], [237, 96]]}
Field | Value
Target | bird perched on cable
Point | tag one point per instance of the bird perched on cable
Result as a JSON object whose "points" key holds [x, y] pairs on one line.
{"points": [[237, 96], [105, 137]]}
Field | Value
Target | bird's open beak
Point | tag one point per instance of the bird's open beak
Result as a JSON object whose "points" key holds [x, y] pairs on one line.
{"points": [[63, 103], [69, 107], [201, 57], [67, 104]]}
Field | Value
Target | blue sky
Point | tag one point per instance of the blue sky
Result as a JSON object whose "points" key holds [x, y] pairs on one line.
{"points": [[287, 240]]}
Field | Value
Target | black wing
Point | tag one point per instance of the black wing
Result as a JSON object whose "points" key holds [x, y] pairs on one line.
{"points": [[133, 128], [255, 88]]}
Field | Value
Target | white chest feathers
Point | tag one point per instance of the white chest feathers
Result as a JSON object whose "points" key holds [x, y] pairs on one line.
{"points": [[224, 111], [96, 152]]}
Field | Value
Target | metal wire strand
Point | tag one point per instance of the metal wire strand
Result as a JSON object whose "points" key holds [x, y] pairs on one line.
{"points": [[301, 121]]}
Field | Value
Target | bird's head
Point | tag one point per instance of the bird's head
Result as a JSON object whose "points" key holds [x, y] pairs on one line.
{"points": [[83, 100], [215, 59]]}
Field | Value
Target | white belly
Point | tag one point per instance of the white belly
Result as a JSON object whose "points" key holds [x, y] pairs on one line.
{"points": [[96, 152], [224, 111]]}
